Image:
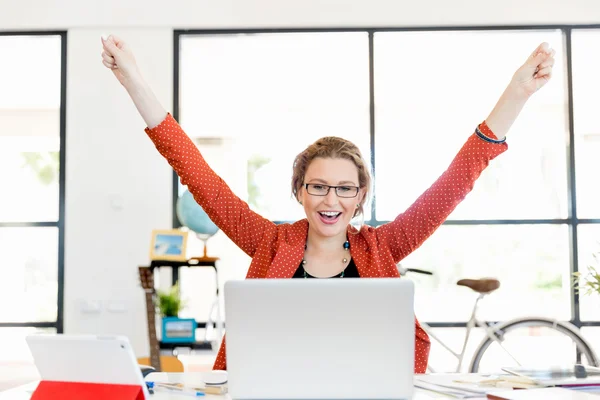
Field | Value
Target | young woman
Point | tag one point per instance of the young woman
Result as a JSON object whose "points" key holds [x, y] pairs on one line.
{"points": [[331, 181]]}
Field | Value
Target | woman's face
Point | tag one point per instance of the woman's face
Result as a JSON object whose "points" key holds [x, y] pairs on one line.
{"points": [[329, 214]]}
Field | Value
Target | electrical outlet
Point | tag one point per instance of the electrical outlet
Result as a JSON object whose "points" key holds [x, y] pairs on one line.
{"points": [[116, 307], [91, 306]]}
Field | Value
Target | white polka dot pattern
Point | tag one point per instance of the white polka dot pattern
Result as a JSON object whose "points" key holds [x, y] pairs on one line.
{"points": [[277, 250]]}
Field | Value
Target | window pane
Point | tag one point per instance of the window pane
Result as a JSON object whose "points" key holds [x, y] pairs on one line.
{"points": [[586, 85], [12, 343], [440, 359], [433, 88], [592, 335], [30, 184], [16, 363], [32, 80], [28, 280], [588, 241], [272, 95], [531, 262], [30, 118], [191, 280]]}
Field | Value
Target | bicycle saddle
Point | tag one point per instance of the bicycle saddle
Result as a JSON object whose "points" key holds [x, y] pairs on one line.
{"points": [[480, 285]]}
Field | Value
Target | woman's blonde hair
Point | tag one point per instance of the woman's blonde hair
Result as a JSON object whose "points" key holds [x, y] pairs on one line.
{"points": [[332, 147]]}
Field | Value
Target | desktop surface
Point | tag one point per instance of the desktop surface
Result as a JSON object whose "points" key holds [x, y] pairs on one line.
{"points": [[24, 393]]}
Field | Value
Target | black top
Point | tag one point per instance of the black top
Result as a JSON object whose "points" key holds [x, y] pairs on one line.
{"points": [[350, 272]]}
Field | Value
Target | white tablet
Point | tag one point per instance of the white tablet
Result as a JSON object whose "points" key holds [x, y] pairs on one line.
{"points": [[86, 358]]}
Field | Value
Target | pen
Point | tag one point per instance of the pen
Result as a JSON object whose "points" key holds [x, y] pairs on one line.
{"points": [[167, 387], [205, 390]]}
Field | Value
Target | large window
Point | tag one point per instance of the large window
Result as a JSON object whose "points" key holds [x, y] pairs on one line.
{"points": [[276, 94], [432, 88], [31, 182], [410, 98], [586, 85]]}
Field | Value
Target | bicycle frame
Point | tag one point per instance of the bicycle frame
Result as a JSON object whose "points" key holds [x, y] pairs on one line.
{"points": [[473, 322], [495, 332]]}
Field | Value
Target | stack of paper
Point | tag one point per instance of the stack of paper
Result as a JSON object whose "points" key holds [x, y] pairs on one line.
{"points": [[199, 383], [464, 386], [554, 393]]}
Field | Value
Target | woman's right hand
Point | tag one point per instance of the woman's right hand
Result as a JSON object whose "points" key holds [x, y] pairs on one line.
{"points": [[118, 57]]}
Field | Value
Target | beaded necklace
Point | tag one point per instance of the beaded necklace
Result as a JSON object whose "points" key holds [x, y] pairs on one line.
{"points": [[344, 260]]}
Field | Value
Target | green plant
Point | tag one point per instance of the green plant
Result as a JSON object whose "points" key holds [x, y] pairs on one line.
{"points": [[548, 282], [169, 302], [590, 281], [46, 165]]}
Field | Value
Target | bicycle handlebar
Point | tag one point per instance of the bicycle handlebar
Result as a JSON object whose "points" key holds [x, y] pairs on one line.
{"points": [[419, 271], [404, 270]]}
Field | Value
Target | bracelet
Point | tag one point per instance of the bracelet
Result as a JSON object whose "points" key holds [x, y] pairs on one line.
{"points": [[488, 139]]}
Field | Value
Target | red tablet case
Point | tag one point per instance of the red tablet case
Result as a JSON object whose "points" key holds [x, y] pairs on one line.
{"points": [[54, 390]]}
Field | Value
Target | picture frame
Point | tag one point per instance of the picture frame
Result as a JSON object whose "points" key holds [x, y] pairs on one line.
{"points": [[178, 330], [168, 245]]}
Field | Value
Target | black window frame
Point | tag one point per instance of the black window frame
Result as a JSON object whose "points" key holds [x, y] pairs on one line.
{"points": [[572, 221], [60, 223]]}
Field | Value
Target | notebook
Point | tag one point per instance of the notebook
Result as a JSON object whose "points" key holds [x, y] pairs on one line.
{"points": [[554, 393], [575, 374]]}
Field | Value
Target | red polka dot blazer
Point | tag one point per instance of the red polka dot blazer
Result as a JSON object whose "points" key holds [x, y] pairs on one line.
{"points": [[277, 250]]}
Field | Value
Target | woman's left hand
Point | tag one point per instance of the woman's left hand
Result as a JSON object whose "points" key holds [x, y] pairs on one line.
{"points": [[535, 72]]}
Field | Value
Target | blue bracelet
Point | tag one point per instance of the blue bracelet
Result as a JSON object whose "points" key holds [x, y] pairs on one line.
{"points": [[488, 139]]}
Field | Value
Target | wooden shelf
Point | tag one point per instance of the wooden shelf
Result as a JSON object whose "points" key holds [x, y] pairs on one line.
{"points": [[193, 346]]}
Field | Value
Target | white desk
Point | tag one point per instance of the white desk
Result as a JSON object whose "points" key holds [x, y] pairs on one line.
{"points": [[24, 393]]}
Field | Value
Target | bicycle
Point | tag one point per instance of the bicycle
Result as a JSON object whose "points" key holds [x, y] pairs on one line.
{"points": [[497, 334]]}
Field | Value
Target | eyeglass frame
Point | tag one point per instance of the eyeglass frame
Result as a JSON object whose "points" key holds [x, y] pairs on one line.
{"points": [[329, 187]]}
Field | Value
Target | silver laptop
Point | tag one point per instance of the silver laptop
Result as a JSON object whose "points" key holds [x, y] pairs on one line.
{"points": [[320, 338]]}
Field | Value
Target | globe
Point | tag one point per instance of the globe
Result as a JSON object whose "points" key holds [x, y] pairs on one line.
{"points": [[192, 216]]}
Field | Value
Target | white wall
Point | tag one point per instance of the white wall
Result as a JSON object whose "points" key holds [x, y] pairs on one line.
{"points": [[118, 187], [118, 190], [34, 14]]}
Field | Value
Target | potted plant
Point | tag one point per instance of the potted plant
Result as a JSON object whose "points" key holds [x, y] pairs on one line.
{"points": [[175, 329]]}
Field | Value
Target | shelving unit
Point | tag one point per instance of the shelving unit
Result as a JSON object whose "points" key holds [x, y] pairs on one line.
{"points": [[217, 323]]}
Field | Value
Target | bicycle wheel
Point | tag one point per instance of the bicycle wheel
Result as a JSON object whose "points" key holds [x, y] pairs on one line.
{"points": [[532, 342]]}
